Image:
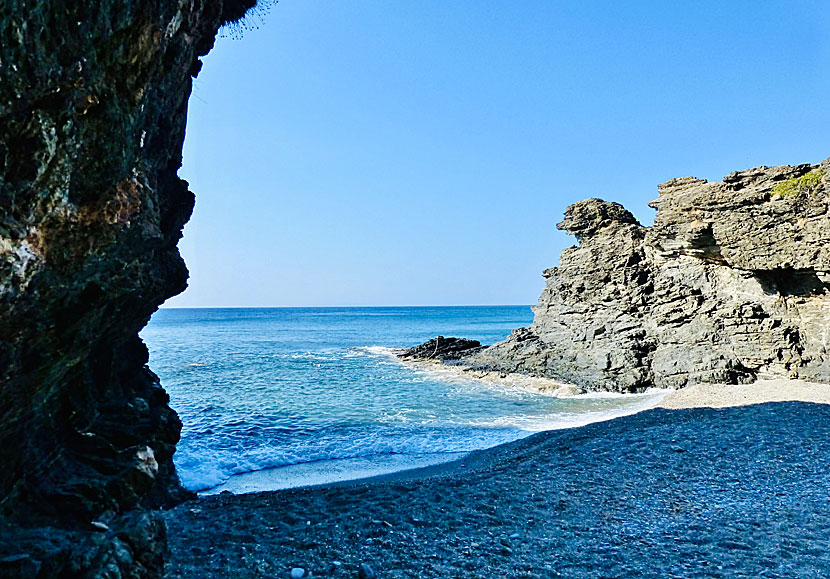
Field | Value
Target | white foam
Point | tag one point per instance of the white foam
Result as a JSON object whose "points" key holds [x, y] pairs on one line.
{"points": [[633, 403], [263, 471], [408, 435], [201, 468], [314, 356], [205, 469], [381, 351], [326, 472]]}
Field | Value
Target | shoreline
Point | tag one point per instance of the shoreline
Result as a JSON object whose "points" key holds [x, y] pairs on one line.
{"points": [[334, 472], [339, 472], [322, 473], [705, 395], [455, 372], [699, 396], [724, 487]]}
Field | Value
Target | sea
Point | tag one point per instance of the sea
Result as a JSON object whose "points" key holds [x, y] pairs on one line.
{"points": [[283, 397]]}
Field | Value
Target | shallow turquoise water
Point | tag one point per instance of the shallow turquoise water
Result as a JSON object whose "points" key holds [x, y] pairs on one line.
{"points": [[264, 388]]}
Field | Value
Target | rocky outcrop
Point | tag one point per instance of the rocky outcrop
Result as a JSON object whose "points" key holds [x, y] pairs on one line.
{"points": [[732, 282], [93, 99], [441, 348]]}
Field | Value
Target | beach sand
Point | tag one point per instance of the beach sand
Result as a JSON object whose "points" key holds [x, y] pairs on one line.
{"points": [[766, 390], [700, 492]]}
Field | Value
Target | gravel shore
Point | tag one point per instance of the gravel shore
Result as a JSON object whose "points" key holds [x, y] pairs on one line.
{"points": [[735, 492]]}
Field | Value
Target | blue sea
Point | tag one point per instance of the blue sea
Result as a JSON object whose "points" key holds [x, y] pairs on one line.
{"points": [[281, 397]]}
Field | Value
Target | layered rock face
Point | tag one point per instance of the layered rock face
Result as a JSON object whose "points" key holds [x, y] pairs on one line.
{"points": [[93, 99], [731, 283]]}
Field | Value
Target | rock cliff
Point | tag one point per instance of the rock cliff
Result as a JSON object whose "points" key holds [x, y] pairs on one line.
{"points": [[730, 283], [93, 100]]}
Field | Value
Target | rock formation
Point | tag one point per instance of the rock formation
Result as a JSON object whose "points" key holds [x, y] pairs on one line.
{"points": [[441, 348], [93, 99], [731, 283]]}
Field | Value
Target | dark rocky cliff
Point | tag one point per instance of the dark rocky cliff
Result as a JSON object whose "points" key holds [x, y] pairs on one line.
{"points": [[731, 283], [93, 100]]}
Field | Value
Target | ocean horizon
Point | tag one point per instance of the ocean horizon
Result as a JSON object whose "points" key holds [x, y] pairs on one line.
{"points": [[282, 397]]}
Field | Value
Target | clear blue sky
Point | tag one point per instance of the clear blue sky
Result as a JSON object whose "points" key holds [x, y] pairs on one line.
{"points": [[359, 152]]}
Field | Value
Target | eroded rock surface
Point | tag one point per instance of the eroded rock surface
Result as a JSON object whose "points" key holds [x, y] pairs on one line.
{"points": [[730, 283], [93, 99]]}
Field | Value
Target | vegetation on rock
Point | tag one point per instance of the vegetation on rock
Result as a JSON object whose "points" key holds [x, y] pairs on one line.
{"points": [[798, 186]]}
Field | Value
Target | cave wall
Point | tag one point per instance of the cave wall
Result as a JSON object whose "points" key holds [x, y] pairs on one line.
{"points": [[93, 104], [731, 283]]}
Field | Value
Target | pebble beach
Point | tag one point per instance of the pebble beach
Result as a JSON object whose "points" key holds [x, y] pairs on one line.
{"points": [[694, 492]]}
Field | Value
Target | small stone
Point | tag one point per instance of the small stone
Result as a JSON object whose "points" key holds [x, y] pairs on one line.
{"points": [[366, 572], [297, 573]]}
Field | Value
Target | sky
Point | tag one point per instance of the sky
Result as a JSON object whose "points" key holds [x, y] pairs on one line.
{"points": [[390, 152]]}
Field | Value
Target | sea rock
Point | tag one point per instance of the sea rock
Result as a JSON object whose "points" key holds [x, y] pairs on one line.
{"points": [[730, 283], [93, 102], [568, 391], [441, 348]]}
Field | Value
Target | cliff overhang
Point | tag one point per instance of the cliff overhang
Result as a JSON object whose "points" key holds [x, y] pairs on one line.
{"points": [[93, 103]]}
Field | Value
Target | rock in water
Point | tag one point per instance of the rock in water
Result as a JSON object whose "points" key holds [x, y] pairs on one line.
{"points": [[366, 572], [731, 282], [442, 348], [297, 573], [93, 99]]}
